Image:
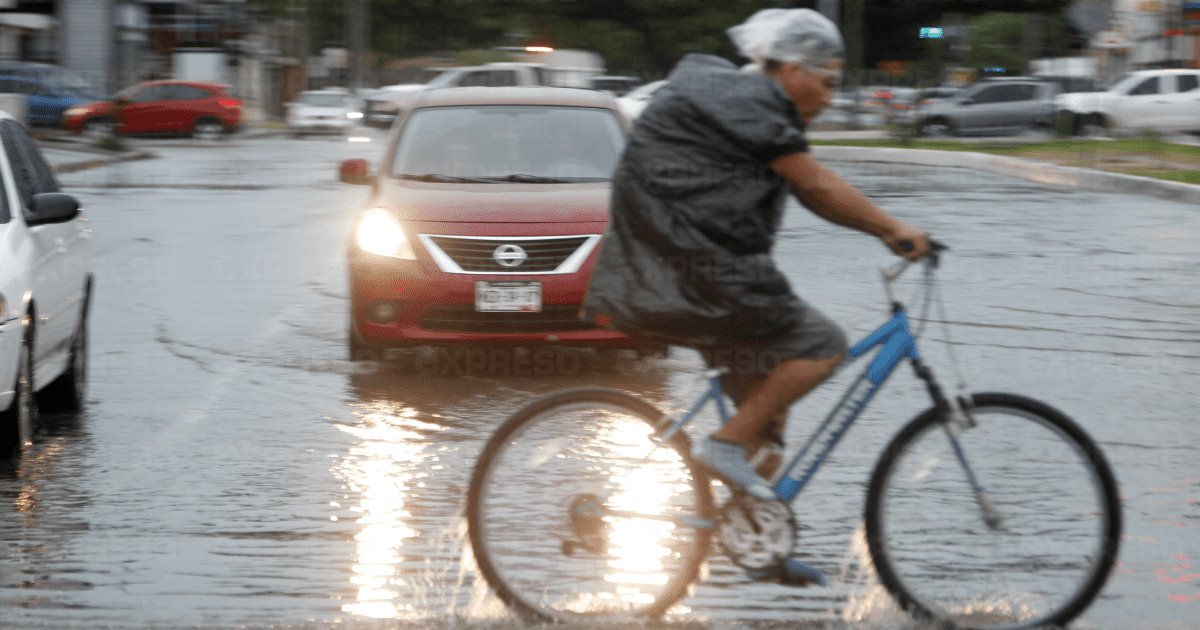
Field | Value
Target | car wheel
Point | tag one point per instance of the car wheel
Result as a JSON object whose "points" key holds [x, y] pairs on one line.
{"points": [[359, 349], [208, 129], [67, 392], [17, 422], [99, 128], [937, 128], [1091, 126]]}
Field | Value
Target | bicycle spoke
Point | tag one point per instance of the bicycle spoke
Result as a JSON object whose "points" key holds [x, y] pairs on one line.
{"points": [[580, 514], [936, 550]]}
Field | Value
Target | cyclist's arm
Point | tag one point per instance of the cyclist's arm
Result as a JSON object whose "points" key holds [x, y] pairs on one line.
{"points": [[832, 198]]}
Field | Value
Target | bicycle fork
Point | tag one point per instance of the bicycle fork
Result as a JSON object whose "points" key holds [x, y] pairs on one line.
{"points": [[956, 417]]}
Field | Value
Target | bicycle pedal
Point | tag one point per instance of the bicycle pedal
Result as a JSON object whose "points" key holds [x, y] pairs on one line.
{"points": [[790, 572]]}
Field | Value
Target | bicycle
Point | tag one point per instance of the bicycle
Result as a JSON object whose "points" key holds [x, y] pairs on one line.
{"points": [[986, 510]]}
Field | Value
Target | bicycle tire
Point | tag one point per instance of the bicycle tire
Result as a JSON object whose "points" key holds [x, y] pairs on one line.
{"points": [[917, 579], [525, 589]]}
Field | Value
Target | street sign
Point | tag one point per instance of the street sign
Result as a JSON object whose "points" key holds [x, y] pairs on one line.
{"points": [[932, 32]]}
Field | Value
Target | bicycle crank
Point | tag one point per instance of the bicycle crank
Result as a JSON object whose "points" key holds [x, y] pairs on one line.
{"points": [[757, 534]]}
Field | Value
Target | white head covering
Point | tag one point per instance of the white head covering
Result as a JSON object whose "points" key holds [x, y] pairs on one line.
{"points": [[790, 35]]}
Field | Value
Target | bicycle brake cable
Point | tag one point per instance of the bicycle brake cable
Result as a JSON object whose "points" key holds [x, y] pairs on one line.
{"points": [[958, 371]]}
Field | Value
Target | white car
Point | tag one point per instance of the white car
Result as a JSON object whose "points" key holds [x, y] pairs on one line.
{"points": [[634, 102], [1154, 100], [45, 290], [323, 111]]}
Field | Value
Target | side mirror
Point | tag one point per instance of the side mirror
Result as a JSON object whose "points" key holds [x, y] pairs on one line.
{"points": [[355, 171], [121, 100], [966, 101], [52, 208]]}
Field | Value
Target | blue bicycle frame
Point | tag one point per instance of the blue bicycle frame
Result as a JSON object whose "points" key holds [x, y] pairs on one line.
{"points": [[896, 343]]}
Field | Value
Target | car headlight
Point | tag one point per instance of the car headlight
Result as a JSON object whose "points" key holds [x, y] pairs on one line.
{"points": [[380, 233], [353, 115]]}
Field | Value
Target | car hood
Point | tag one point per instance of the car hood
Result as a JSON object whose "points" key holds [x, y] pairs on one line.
{"points": [[1081, 101], [496, 203], [317, 110], [97, 107]]}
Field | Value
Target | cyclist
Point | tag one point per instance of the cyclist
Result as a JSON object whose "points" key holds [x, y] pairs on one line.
{"points": [[697, 200]]}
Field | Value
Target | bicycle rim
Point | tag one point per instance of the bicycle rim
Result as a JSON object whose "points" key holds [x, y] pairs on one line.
{"points": [[1051, 487], [596, 448]]}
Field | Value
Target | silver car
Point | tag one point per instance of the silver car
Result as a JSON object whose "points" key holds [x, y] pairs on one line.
{"points": [[992, 107]]}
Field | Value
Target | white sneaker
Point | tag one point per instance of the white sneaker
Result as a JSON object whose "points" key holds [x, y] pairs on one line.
{"points": [[727, 461]]}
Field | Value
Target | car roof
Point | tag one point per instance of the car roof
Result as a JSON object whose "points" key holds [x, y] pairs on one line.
{"points": [[1161, 71], [204, 84], [530, 95]]}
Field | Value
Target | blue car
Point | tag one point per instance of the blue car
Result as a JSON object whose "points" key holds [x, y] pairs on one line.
{"points": [[49, 91]]}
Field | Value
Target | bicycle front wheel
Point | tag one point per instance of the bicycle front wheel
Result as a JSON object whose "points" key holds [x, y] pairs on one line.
{"points": [[575, 512], [1040, 551]]}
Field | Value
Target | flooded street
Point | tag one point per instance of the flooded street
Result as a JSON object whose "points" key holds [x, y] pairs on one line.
{"points": [[232, 469]]}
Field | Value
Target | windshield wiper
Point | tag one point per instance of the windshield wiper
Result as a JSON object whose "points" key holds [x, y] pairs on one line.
{"points": [[525, 178], [444, 179]]}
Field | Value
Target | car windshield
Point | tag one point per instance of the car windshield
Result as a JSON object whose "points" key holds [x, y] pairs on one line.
{"points": [[317, 99], [509, 143], [1125, 82], [444, 79]]}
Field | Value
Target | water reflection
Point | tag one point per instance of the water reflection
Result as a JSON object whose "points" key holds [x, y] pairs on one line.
{"points": [[416, 434], [383, 470]]}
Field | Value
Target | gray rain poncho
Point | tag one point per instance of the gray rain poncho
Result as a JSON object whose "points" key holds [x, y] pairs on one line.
{"points": [[695, 207]]}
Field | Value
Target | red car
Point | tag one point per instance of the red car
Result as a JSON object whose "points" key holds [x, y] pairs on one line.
{"points": [[161, 107], [483, 225]]}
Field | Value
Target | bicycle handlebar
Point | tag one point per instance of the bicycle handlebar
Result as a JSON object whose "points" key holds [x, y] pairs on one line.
{"points": [[890, 274]]}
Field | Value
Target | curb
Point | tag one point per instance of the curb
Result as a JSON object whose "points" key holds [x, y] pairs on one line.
{"points": [[83, 165], [1067, 177]]}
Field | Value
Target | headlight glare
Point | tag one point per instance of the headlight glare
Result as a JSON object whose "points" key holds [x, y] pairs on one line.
{"points": [[354, 115], [380, 233]]}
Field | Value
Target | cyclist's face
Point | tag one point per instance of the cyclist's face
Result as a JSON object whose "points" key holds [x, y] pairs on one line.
{"points": [[811, 89]]}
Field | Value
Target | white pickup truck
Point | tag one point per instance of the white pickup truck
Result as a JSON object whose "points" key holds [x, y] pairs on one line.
{"points": [[1146, 100], [381, 108]]}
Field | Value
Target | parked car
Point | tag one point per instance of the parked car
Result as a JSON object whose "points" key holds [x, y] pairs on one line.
{"points": [[997, 106], [323, 111], [483, 222], [45, 291], [46, 96], [1157, 100], [634, 102], [205, 110], [614, 84]]}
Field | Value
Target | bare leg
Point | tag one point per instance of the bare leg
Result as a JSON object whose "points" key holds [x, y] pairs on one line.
{"points": [[785, 384]]}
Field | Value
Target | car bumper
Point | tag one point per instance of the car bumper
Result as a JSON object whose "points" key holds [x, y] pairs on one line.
{"points": [[332, 125], [432, 308], [10, 339]]}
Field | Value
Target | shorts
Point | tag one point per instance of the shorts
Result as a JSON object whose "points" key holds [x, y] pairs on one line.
{"points": [[814, 337]]}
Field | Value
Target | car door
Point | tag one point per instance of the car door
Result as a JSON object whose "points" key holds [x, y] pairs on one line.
{"points": [[1183, 102], [1144, 106], [142, 111], [183, 105], [55, 247], [978, 113]]}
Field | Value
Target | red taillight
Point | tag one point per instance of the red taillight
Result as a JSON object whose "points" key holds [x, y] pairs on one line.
{"points": [[230, 103]]}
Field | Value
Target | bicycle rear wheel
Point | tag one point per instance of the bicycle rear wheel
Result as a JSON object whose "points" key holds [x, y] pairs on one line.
{"points": [[573, 514], [1056, 498]]}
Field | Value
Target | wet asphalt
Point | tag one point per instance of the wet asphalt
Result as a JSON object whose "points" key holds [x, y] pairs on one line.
{"points": [[232, 469]]}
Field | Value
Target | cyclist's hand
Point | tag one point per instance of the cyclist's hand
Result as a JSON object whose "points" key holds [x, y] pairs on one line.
{"points": [[908, 241]]}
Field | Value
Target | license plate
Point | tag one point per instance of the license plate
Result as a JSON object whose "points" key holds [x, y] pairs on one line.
{"points": [[508, 296]]}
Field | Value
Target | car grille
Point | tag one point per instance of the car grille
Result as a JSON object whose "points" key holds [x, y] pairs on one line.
{"points": [[464, 318], [475, 255]]}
